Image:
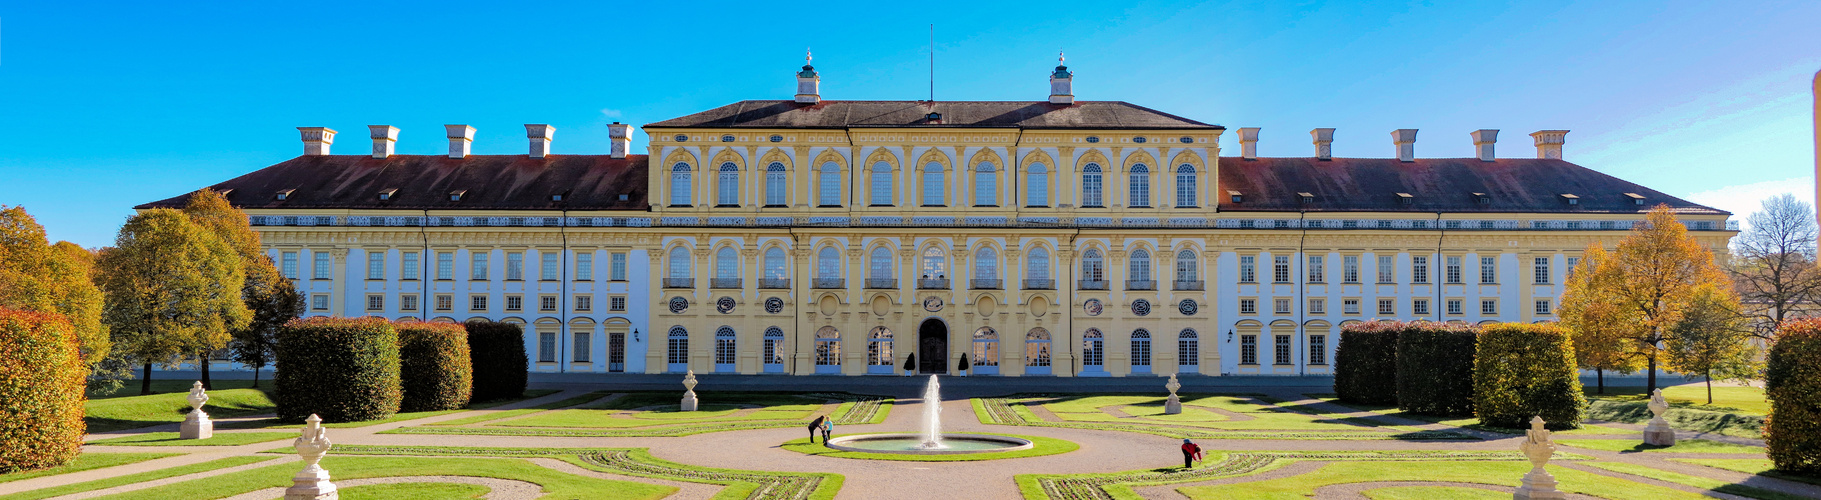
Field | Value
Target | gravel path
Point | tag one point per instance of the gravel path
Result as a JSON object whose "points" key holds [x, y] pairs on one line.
{"points": [[502, 489]]}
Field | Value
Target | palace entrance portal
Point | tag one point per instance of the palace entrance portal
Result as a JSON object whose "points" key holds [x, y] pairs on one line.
{"points": [[932, 347]]}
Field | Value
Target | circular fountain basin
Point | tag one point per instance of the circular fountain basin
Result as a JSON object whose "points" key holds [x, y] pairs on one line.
{"points": [[952, 444]]}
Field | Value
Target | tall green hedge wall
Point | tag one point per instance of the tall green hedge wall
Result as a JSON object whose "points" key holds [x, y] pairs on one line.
{"points": [[1365, 363], [1435, 369], [1792, 382], [499, 358], [1523, 370], [42, 379], [343, 369], [435, 367]]}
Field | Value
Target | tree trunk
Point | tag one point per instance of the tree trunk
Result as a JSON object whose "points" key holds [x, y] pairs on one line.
{"points": [[1710, 387], [256, 376], [1650, 384], [1599, 377], [202, 364], [145, 382]]}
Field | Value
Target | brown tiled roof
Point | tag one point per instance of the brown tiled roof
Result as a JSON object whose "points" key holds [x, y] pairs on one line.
{"points": [[1435, 185], [587, 182], [860, 114]]}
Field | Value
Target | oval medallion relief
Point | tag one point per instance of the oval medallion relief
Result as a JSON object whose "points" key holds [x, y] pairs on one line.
{"points": [[828, 305], [986, 305]]}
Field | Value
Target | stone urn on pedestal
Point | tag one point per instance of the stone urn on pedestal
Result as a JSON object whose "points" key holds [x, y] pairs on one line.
{"points": [[1538, 446], [1173, 405], [313, 482], [197, 425], [689, 392], [1657, 432]]}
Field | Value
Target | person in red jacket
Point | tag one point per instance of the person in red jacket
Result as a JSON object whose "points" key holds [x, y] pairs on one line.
{"points": [[1190, 453]]}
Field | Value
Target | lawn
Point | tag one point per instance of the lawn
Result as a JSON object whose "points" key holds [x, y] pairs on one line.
{"points": [[1698, 482], [273, 423], [1503, 473], [556, 484], [1433, 492], [173, 439], [1758, 466], [57, 491], [86, 461], [414, 491], [127, 410], [1727, 399], [1198, 411], [1681, 446]]}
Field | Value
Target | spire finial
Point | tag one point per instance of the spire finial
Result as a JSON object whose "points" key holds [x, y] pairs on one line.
{"points": [[1059, 57], [807, 56]]}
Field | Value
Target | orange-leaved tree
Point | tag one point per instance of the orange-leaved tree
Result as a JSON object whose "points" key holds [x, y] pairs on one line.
{"points": [[39, 277], [1656, 271], [272, 299], [1602, 331]]}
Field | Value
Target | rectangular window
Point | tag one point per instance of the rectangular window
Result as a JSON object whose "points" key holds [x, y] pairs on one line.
{"points": [[1573, 262], [1455, 306], [1419, 269], [547, 271], [1489, 307], [289, 260], [546, 347], [407, 303], [1489, 270], [1248, 349], [376, 302], [1318, 349], [1349, 306], [1350, 268], [319, 265], [1542, 307], [515, 266], [445, 302], [478, 269], [581, 348], [319, 302], [617, 263], [515, 303], [477, 303], [376, 265], [1452, 271], [1317, 272], [584, 266], [584, 303], [445, 265], [1386, 269], [1540, 271], [546, 303], [1280, 306], [1419, 307], [1387, 307], [1248, 269], [1280, 269], [409, 268], [1248, 306], [1318, 305], [1281, 350], [616, 303]]}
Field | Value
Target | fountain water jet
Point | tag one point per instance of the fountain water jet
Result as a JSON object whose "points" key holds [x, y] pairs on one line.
{"points": [[930, 441], [932, 416]]}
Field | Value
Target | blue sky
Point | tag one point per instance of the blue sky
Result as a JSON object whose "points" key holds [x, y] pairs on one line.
{"points": [[108, 105]]}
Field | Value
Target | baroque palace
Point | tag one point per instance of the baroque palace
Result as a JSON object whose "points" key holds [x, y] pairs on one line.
{"points": [[1056, 237]]}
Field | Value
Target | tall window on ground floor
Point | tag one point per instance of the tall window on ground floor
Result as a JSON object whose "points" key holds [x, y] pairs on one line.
{"points": [[1318, 349], [616, 352], [1248, 349], [774, 346], [1188, 348], [1037, 347], [677, 348], [1282, 351], [986, 347], [724, 346], [879, 347], [828, 347], [1141, 348], [582, 347], [1091, 349], [546, 347]]}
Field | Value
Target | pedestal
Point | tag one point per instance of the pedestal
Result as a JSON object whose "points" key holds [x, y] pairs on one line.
{"points": [[689, 401], [1538, 485], [312, 484], [1658, 433], [196, 426], [1172, 406]]}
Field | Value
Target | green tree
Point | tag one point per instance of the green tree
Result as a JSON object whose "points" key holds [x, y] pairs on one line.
{"points": [[1713, 339], [1653, 278], [1601, 330], [39, 277], [272, 299], [172, 288]]}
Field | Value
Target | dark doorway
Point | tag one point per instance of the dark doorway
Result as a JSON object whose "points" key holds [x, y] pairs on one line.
{"points": [[932, 347]]}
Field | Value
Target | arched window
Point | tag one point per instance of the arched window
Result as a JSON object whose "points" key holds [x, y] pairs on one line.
{"points": [[828, 263], [774, 185], [1092, 268], [882, 184], [1139, 265], [986, 264], [828, 346], [879, 347], [879, 267], [1185, 265], [774, 264], [1141, 350], [935, 265], [724, 349], [986, 185], [1141, 186], [1185, 185], [677, 348], [1188, 349], [774, 346], [986, 347], [1037, 264], [933, 188], [679, 184], [1037, 186], [679, 263], [727, 186], [1092, 354], [829, 185], [1037, 348], [726, 263], [1090, 187]]}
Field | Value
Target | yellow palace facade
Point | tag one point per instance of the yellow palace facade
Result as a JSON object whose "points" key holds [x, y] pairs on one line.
{"points": [[1039, 238]]}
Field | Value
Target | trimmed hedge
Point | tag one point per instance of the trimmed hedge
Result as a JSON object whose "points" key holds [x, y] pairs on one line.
{"points": [[342, 369], [1365, 363], [435, 367], [1792, 382], [500, 363], [1435, 369], [1527, 370], [42, 379]]}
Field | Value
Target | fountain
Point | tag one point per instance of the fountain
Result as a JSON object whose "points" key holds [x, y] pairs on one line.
{"points": [[931, 441]]}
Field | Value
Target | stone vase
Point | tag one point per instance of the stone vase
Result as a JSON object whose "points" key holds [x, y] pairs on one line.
{"points": [[689, 392], [1657, 432], [1173, 405], [312, 483], [197, 424], [1538, 446]]}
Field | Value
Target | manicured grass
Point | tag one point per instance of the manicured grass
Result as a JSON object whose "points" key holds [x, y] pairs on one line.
{"points": [[740, 483], [582, 399], [86, 461], [1043, 446], [1496, 473], [164, 386], [1698, 482], [273, 423], [1729, 399], [134, 412], [1759, 466], [1637, 412], [1681, 446], [58, 491], [172, 439], [556, 484], [414, 491], [1196, 413], [1434, 492]]}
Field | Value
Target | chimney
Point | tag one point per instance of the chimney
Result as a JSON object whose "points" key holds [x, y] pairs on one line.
{"points": [[1248, 143], [384, 138], [1483, 140], [1062, 87], [619, 135], [1405, 138], [1549, 143], [1324, 143], [317, 140], [540, 136], [808, 83], [461, 137]]}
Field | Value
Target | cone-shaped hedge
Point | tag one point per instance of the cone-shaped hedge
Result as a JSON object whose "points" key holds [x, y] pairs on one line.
{"points": [[1365, 363], [1435, 369], [343, 369], [1526, 370], [1792, 382], [42, 379], [499, 358], [435, 367]]}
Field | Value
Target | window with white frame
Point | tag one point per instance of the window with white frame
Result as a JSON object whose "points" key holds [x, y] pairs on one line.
{"points": [[1092, 266], [515, 265], [548, 268], [774, 346], [933, 186], [986, 347], [986, 185], [774, 264], [1317, 269], [1387, 307], [1185, 185], [1349, 306], [319, 302], [1543, 307], [1540, 271], [1091, 195], [1037, 264], [828, 263], [879, 347], [1248, 269], [376, 265], [775, 183], [1387, 269], [679, 185], [546, 347], [445, 265], [677, 346], [1452, 270], [289, 264], [679, 263], [1037, 347], [726, 263], [1419, 307], [1037, 185], [1318, 349], [1186, 268], [727, 185], [376, 302], [617, 261], [1489, 307], [828, 346], [724, 346], [986, 264], [881, 193], [1280, 269], [1140, 186], [1188, 348], [1349, 269], [581, 347], [1092, 351], [1456, 306], [828, 183], [935, 264], [1489, 270], [1419, 269], [409, 268], [879, 265], [319, 265], [1248, 306], [1318, 305], [584, 266], [1138, 265], [1280, 305], [1141, 348], [407, 302]]}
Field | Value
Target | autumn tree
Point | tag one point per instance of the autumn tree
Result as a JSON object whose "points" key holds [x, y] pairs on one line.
{"points": [[36, 276], [1654, 275], [1601, 330], [1713, 339], [172, 287], [1773, 262], [272, 299]]}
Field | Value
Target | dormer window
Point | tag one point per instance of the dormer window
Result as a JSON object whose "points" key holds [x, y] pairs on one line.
{"points": [[387, 194], [1571, 198], [1482, 198], [1307, 197], [284, 194], [625, 197], [933, 117], [1234, 195], [1406, 199], [1636, 199], [456, 195], [556, 197]]}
